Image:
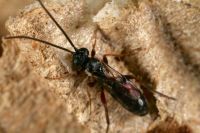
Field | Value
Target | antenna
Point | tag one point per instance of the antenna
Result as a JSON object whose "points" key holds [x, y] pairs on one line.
{"points": [[65, 34], [158, 93], [38, 40]]}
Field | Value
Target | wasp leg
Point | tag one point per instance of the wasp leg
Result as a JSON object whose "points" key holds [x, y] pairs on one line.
{"points": [[90, 100], [103, 100], [105, 60], [129, 77], [93, 52], [123, 55]]}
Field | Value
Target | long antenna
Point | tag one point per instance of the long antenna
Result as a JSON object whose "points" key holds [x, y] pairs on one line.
{"points": [[162, 95], [42, 41], [65, 34], [159, 93]]}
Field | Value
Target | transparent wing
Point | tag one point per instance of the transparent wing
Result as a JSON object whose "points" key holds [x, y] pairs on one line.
{"points": [[111, 72], [120, 78]]}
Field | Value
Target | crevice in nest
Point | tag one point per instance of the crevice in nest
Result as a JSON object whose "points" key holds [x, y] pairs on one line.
{"points": [[176, 44], [170, 126], [1, 48]]}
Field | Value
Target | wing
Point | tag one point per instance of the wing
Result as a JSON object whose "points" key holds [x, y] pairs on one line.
{"points": [[113, 74], [126, 83]]}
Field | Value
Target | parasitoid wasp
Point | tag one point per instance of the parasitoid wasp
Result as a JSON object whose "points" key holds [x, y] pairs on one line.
{"points": [[119, 86]]}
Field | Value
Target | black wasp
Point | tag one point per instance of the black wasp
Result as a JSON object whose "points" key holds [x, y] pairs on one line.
{"points": [[120, 86]]}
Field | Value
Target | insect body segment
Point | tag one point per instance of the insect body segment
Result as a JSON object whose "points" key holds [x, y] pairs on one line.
{"points": [[96, 68], [128, 95]]}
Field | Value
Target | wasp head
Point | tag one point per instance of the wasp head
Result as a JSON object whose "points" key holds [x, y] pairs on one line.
{"points": [[80, 58]]}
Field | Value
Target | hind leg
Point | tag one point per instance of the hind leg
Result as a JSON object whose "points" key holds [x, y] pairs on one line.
{"points": [[104, 102]]}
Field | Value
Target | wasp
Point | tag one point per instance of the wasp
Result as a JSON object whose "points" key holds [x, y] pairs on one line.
{"points": [[117, 85]]}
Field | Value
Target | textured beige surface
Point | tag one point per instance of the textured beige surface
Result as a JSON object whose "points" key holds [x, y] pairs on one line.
{"points": [[167, 33], [8, 8], [27, 102]]}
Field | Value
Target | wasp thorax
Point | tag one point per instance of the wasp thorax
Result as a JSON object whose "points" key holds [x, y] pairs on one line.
{"points": [[95, 67]]}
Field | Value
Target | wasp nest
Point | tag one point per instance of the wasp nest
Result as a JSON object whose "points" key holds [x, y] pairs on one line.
{"points": [[40, 92]]}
